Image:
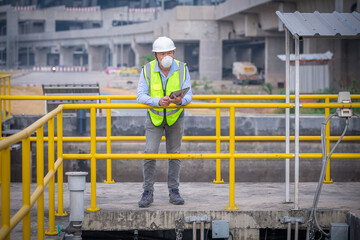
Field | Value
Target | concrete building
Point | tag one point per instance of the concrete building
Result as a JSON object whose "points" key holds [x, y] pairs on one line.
{"points": [[208, 37]]}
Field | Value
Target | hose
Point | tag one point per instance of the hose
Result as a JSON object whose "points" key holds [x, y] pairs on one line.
{"points": [[312, 218]]}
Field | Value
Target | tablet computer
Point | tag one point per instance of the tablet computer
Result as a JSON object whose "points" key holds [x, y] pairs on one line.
{"points": [[178, 92]]}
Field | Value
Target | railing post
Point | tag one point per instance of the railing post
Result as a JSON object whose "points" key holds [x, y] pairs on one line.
{"points": [[93, 206], [108, 144], [218, 144], [9, 93], [60, 176], [26, 181], [40, 181], [52, 230], [1, 118], [287, 116], [4, 101], [327, 137], [232, 205], [5, 190]]}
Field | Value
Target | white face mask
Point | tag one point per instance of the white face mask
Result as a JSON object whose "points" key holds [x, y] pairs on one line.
{"points": [[166, 61]]}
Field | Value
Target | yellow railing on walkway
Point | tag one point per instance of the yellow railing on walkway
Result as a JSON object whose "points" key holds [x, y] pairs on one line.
{"points": [[7, 223], [3, 91]]}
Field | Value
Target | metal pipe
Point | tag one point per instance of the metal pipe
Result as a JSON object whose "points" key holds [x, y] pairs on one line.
{"points": [[26, 181], [327, 138], [232, 205], [52, 230], [206, 138], [297, 121], [289, 231], [218, 145], [60, 180], [287, 116], [296, 230], [202, 231], [5, 194], [93, 206], [40, 182], [194, 230], [9, 93], [196, 97], [108, 145]]}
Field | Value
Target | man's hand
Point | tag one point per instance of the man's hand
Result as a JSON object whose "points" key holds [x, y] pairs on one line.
{"points": [[165, 101], [177, 100]]}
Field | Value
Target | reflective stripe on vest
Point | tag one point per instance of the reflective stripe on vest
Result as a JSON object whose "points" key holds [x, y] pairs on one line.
{"points": [[174, 82]]}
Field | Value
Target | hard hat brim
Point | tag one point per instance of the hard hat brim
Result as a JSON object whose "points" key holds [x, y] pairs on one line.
{"points": [[164, 50]]}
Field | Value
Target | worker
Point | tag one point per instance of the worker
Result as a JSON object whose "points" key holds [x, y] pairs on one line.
{"points": [[158, 79]]}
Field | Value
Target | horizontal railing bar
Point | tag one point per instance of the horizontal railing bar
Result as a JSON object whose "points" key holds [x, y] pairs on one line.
{"points": [[208, 156], [212, 105], [179, 156], [205, 138], [190, 105], [334, 155], [199, 97]]}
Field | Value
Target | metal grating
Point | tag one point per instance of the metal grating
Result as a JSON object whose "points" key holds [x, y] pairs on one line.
{"points": [[318, 25]]}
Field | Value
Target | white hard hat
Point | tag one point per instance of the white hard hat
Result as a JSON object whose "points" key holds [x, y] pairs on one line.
{"points": [[163, 44]]}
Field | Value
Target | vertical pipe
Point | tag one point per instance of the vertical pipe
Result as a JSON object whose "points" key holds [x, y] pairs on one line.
{"points": [[108, 144], [1, 118], [296, 230], [327, 137], [297, 120], [287, 116], [4, 101], [9, 93], [60, 176], [40, 181], [52, 230], [93, 206], [289, 231], [194, 230], [26, 181], [202, 230], [5, 190], [231, 205], [218, 144]]}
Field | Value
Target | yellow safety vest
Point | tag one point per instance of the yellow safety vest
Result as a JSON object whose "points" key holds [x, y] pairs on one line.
{"points": [[174, 83]]}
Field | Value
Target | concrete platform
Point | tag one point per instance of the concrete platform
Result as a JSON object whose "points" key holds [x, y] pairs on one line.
{"points": [[260, 206]]}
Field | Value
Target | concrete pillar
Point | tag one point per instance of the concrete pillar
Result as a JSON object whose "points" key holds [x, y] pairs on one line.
{"points": [[12, 42], [114, 50], [127, 49], [274, 68], [50, 25], [96, 55], [40, 56], [180, 51], [66, 56], [210, 59], [140, 50]]}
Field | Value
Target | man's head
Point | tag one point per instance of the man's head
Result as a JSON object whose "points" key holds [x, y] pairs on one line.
{"points": [[164, 50]]}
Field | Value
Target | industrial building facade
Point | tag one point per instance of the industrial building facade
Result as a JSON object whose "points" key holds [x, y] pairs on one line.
{"points": [[209, 35]]}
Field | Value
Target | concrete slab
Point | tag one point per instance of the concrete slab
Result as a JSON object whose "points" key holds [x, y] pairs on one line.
{"points": [[260, 205]]}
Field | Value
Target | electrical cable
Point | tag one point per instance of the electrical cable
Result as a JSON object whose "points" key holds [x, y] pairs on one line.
{"points": [[313, 217]]}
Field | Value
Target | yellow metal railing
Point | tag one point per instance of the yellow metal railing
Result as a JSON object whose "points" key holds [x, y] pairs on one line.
{"points": [[8, 224], [218, 138], [3, 91]]}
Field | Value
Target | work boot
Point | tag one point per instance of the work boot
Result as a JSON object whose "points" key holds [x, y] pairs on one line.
{"points": [[175, 197], [146, 199]]}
